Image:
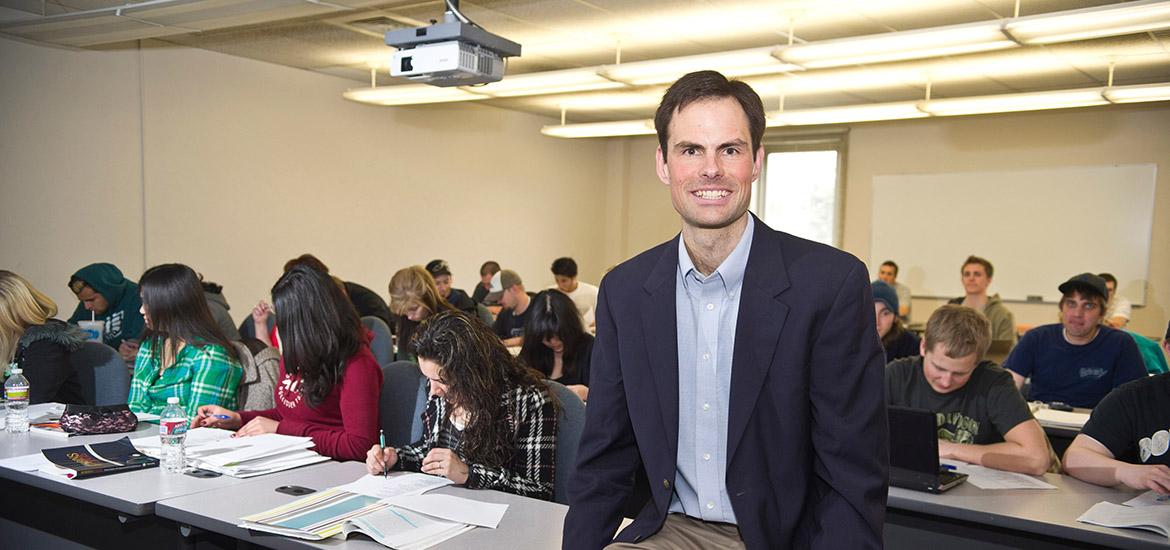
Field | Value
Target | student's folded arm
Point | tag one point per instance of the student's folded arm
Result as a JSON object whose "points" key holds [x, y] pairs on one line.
{"points": [[1088, 460], [1023, 450]]}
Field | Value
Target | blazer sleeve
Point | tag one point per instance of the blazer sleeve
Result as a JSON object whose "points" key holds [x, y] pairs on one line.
{"points": [[850, 436], [607, 457]]}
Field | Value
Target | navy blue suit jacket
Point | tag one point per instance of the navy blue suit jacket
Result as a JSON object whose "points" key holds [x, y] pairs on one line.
{"points": [[807, 439]]}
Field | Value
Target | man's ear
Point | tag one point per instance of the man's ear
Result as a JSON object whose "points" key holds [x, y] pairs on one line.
{"points": [[660, 166]]}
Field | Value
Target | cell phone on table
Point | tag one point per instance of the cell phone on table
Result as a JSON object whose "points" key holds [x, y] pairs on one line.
{"points": [[295, 490]]}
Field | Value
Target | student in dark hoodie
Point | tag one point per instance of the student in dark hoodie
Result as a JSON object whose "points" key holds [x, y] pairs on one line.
{"points": [[102, 290], [31, 339]]}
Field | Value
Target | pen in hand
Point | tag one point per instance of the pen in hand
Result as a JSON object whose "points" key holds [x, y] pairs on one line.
{"points": [[382, 442]]}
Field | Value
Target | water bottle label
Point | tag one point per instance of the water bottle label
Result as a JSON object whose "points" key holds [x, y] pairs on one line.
{"points": [[172, 427], [17, 393]]}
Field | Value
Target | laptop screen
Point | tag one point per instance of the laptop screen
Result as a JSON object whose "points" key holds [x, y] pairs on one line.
{"points": [[913, 440]]}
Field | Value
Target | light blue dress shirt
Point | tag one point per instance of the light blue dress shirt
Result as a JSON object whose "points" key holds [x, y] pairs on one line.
{"points": [[706, 312]]}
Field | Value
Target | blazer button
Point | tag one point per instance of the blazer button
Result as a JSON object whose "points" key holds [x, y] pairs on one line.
{"points": [[666, 484]]}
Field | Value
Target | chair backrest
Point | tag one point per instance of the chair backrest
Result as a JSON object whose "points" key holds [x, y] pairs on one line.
{"points": [[570, 423], [401, 403], [381, 347], [103, 375], [257, 389], [484, 314], [248, 328]]}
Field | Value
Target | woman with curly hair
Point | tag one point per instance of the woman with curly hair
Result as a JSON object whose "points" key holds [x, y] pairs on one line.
{"points": [[490, 421], [413, 297], [329, 380], [555, 341]]}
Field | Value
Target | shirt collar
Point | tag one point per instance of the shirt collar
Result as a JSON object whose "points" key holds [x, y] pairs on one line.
{"points": [[732, 268]]}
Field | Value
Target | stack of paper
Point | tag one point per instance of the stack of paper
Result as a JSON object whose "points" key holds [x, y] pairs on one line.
{"points": [[335, 512], [1061, 418], [1145, 512], [391, 510], [216, 450]]}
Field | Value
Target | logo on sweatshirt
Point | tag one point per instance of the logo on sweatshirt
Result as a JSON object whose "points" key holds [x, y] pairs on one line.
{"points": [[1155, 445]]}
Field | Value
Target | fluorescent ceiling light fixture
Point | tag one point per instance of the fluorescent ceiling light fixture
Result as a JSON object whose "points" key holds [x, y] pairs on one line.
{"points": [[1096, 22], [410, 94], [1007, 103], [897, 46], [896, 111], [750, 62], [1137, 94], [838, 115], [600, 129], [550, 82]]}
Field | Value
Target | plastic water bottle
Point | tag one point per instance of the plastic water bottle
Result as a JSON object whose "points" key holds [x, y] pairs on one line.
{"points": [[172, 430], [16, 392]]}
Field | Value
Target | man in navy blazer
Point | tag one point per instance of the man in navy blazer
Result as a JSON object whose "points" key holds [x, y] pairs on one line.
{"points": [[775, 439]]}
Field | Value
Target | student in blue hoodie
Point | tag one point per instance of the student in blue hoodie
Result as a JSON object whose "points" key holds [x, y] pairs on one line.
{"points": [[101, 289]]}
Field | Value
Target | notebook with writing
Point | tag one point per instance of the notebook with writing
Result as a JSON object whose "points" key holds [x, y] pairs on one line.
{"points": [[914, 452]]}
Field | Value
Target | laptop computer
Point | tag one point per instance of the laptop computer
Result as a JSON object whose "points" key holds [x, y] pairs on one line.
{"points": [[914, 452]]}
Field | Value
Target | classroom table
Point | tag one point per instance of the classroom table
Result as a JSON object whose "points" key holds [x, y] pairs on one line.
{"points": [[54, 511], [528, 523], [967, 517]]}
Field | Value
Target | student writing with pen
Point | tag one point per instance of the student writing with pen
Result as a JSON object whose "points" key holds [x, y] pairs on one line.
{"points": [[490, 421], [329, 381]]}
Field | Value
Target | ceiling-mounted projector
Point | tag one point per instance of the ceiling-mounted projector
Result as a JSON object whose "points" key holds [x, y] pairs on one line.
{"points": [[453, 53]]}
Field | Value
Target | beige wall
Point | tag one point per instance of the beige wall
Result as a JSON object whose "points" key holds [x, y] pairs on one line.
{"points": [[1115, 135], [242, 165]]}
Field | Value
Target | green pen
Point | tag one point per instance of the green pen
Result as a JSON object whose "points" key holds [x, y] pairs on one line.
{"points": [[382, 439]]}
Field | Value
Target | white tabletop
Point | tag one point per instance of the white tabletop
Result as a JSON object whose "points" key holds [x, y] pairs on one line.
{"points": [[528, 523], [1047, 512], [134, 492]]}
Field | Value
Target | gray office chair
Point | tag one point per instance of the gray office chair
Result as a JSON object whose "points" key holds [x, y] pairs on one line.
{"points": [[248, 328], [103, 375], [381, 346], [570, 423], [484, 314], [401, 403]]}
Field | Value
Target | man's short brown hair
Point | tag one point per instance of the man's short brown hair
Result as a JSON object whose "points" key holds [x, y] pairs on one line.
{"points": [[707, 85], [981, 261], [961, 330]]}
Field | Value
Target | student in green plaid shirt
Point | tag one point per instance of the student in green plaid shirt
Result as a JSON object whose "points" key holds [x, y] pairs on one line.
{"points": [[184, 353]]}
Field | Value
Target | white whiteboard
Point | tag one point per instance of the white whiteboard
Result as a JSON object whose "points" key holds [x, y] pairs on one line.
{"points": [[1037, 227]]}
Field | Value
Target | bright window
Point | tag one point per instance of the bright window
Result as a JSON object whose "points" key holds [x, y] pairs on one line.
{"points": [[800, 190]]}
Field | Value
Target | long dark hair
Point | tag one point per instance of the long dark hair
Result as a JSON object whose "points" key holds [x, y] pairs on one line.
{"points": [[478, 371], [552, 313], [178, 312], [319, 330]]}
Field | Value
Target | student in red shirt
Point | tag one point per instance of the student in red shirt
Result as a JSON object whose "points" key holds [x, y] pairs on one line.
{"points": [[329, 380]]}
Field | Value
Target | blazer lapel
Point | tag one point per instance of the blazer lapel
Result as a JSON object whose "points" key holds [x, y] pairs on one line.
{"points": [[758, 326], [661, 332]]}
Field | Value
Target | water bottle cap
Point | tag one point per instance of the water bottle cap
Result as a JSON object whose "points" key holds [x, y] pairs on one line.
{"points": [[172, 401], [15, 370]]}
